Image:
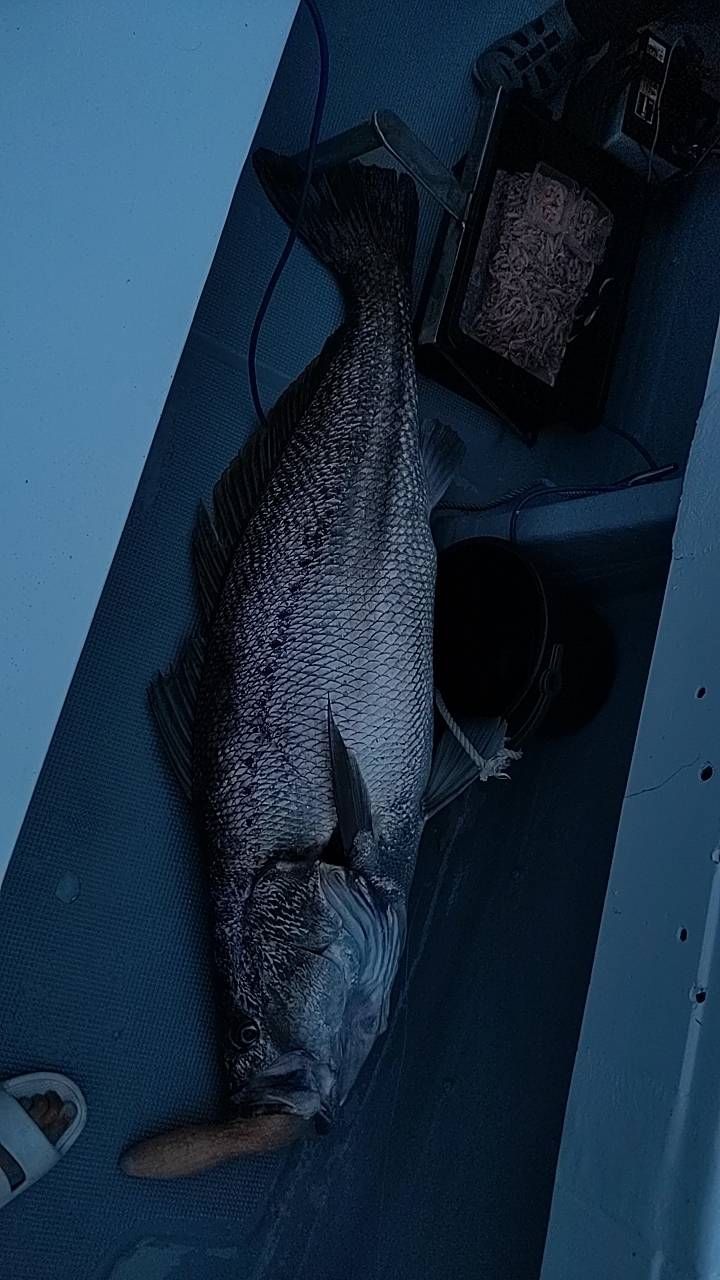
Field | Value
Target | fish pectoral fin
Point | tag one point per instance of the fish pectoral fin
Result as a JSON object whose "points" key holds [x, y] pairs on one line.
{"points": [[442, 454], [352, 801], [473, 751], [172, 696], [373, 921], [372, 915]]}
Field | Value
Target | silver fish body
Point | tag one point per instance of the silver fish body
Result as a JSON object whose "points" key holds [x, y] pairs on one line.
{"points": [[329, 596], [328, 601], [301, 717]]}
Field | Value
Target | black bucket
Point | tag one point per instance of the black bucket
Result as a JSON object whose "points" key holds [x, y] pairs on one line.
{"points": [[506, 647]]}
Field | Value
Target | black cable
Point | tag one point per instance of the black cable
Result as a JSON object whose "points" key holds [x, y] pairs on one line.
{"points": [[324, 76], [541, 487], [567, 495], [480, 508], [640, 448]]}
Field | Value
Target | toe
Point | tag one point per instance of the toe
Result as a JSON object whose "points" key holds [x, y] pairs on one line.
{"points": [[52, 1130], [69, 1112], [25, 1103], [54, 1107], [38, 1107], [61, 1121]]}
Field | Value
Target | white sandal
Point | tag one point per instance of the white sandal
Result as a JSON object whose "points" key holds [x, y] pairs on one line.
{"points": [[23, 1139]]}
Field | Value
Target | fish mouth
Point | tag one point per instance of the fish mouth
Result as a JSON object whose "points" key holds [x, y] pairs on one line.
{"points": [[293, 1099], [295, 1085]]}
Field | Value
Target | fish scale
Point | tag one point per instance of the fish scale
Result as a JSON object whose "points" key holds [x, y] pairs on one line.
{"points": [[356, 623], [300, 719]]}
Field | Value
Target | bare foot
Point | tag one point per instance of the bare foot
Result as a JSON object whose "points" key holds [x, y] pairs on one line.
{"points": [[52, 1116]]}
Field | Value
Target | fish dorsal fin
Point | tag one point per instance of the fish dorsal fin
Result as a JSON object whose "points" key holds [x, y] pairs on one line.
{"points": [[243, 483], [352, 802], [173, 695], [473, 751], [442, 454]]}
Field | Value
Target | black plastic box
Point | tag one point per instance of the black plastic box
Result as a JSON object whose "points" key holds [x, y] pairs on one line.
{"points": [[512, 136]]}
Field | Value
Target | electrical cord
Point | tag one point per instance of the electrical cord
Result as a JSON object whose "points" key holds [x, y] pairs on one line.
{"points": [[637, 446], [480, 508], [543, 489], [320, 101], [568, 495], [546, 486]]}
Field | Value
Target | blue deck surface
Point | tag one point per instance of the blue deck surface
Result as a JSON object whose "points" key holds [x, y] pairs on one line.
{"points": [[100, 284], [444, 1162]]}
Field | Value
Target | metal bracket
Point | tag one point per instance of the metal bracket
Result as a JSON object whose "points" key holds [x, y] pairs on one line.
{"points": [[386, 130]]}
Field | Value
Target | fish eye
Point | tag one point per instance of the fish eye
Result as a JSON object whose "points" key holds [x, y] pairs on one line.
{"points": [[244, 1032]]}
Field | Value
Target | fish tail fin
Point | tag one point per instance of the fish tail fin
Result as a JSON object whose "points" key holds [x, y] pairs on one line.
{"points": [[355, 216]]}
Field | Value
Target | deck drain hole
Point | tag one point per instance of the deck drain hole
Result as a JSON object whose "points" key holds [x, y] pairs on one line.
{"points": [[706, 773], [682, 935]]}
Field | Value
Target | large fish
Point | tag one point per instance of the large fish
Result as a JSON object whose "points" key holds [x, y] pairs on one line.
{"points": [[300, 718]]}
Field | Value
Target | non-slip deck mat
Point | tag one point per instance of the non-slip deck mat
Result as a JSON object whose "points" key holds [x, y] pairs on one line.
{"points": [[429, 1175]]}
